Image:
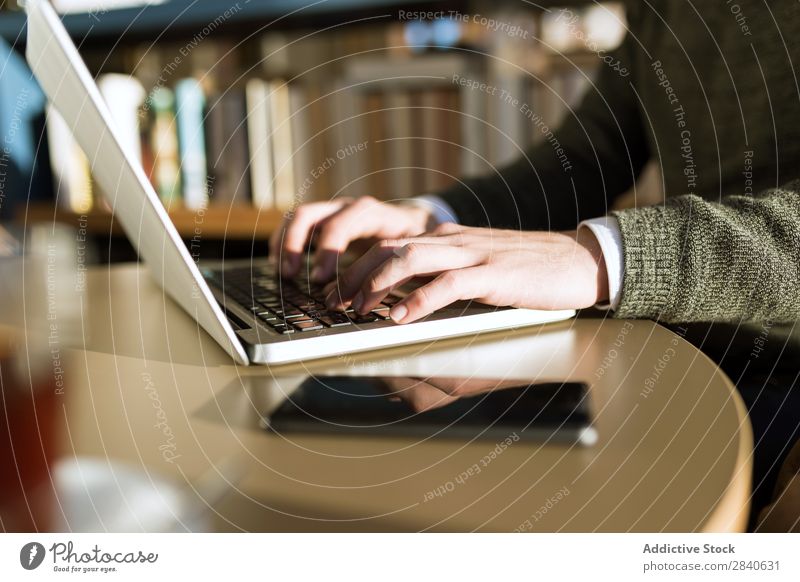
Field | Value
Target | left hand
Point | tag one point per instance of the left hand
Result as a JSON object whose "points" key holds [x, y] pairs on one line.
{"points": [[536, 270]]}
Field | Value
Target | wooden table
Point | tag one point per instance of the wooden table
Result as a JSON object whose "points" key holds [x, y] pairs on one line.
{"points": [[152, 390]]}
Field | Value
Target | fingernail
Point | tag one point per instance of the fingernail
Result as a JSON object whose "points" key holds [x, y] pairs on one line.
{"points": [[398, 313], [358, 301]]}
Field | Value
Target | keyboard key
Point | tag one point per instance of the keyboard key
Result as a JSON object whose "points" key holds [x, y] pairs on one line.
{"points": [[283, 329], [293, 314], [307, 325], [368, 318], [335, 319]]}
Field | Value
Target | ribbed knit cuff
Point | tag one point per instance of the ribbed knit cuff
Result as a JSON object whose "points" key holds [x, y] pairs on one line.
{"points": [[652, 248]]}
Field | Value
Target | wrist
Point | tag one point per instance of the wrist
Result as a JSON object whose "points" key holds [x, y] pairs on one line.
{"points": [[595, 260]]}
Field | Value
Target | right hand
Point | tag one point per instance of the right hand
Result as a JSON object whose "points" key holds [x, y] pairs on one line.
{"points": [[336, 224]]}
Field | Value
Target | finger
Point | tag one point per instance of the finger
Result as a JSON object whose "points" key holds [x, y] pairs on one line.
{"points": [[347, 284], [275, 239], [350, 281], [445, 289], [409, 261], [296, 232], [358, 220]]}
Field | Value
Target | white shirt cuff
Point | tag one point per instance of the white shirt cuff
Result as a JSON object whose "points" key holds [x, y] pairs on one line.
{"points": [[440, 210], [606, 230]]}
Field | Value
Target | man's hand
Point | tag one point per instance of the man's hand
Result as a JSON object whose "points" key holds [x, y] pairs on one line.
{"points": [[423, 394], [336, 224], [537, 270]]}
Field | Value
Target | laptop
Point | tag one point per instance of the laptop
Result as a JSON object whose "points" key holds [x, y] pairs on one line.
{"points": [[245, 306]]}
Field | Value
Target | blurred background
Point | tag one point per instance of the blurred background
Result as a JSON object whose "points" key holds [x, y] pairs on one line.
{"points": [[240, 111]]}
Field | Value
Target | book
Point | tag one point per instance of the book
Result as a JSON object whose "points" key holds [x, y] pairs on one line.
{"points": [[166, 174], [433, 134], [375, 118], [302, 141], [473, 131], [319, 187], [229, 178], [260, 143], [401, 146], [282, 149], [124, 95], [189, 114]]}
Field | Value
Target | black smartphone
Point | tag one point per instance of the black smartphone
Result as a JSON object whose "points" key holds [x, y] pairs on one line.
{"points": [[417, 407]]}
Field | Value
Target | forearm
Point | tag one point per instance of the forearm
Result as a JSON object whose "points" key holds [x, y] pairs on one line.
{"points": [[694, 260]]}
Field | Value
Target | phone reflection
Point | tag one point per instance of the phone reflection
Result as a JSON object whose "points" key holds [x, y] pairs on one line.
{"points": [[463, 408], [422, 394]]}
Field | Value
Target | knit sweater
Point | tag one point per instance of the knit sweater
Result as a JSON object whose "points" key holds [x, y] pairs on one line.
{"points": [[712, 95]]}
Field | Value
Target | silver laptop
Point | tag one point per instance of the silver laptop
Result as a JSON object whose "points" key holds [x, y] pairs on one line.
{"points": [[253, 315]]}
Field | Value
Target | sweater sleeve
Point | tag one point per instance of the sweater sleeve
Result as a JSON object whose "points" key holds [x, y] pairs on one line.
{"points": [[575, 172], [694, 260]]}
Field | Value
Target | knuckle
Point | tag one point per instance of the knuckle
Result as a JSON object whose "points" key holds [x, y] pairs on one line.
{"points": [[410, 252], [449, 281], [421, 297], [365, 200], [446, 228]]}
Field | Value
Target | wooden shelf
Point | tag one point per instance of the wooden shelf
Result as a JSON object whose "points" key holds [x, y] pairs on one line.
{"points": [[240, 223]]}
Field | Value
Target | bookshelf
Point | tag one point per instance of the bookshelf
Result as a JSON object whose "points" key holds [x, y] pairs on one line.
{"points": [[364, 82], [213, 223]]}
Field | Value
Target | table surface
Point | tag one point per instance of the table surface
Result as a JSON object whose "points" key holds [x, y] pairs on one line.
{"points": [[151, 390]]}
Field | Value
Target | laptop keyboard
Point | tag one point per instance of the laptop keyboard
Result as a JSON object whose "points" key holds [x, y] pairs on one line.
{"points": [[288, 305]]}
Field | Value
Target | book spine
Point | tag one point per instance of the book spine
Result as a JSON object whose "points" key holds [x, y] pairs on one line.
{"points": [[236, 156], [124, 96], [260, 143], [190, 104], [302, 139], [401, 148], [280, 118], [166, 167]]}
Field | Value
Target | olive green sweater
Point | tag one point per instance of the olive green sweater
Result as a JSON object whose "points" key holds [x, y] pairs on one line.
{"points": [[714, 97]]}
